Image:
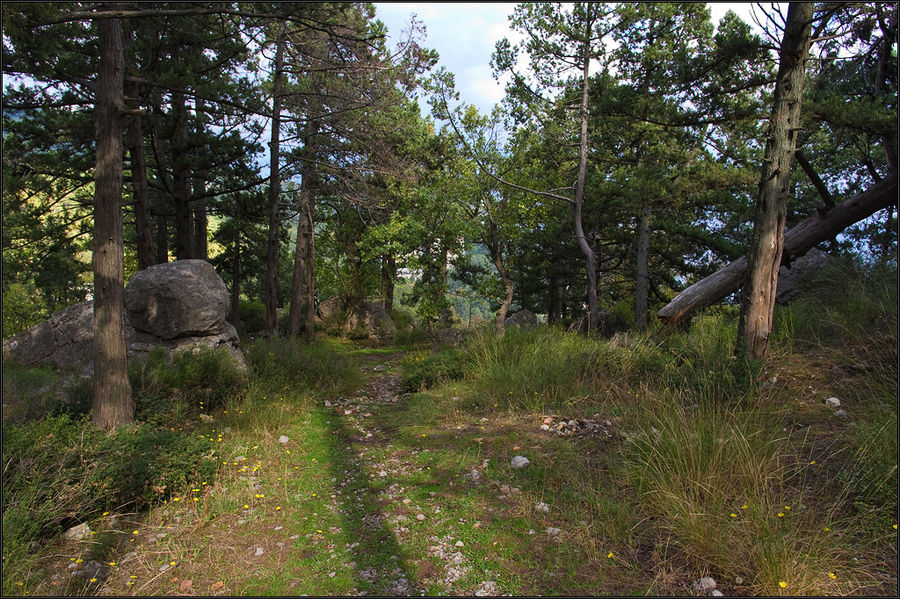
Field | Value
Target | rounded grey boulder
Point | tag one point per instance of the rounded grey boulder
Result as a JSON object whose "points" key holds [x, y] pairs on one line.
{"points": [[185, 298]]}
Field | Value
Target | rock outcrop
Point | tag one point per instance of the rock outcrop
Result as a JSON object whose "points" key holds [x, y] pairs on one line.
{"points": [[792, 281], [185, 298], [374, 319], [369, 317], [525, 319], [178, 306]]}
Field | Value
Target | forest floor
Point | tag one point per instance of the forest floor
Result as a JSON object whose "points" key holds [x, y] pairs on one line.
{"points": [[376, 493], [380, 492]]}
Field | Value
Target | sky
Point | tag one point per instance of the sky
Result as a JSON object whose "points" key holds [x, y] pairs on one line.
{"points": [[464, 34]]}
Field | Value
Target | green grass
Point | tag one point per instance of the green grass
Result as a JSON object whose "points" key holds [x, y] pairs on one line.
{"points": [[714, 466]]}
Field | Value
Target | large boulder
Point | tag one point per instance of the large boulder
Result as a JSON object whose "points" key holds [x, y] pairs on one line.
{"points": [[64, 340], [792, 280], [185, 298], [327, 309], [374, 319], [156, 315], [448, 337], [524, 319]]}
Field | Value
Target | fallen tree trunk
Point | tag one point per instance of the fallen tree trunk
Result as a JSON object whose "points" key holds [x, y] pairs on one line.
{"points": [[797, 241]]}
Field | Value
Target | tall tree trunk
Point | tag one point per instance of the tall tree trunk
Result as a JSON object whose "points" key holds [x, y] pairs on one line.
{"points": [[274, 188], [112, 405], [642, 279], [298, 281], [236, 280], [590, 258], [162, 232], [302, 241], [201, 244], [139, 186], [497, 258], [388, 273], [184, 232], [310, 263], [771, 207]]}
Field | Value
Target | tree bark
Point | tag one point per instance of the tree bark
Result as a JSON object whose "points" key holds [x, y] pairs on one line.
{"points": [[201, 243], [767, 245], [184, 231], [139, 189], [590, 258], [274, 188], [112, 405], [388, 272], [797, 241], [507, 280], [162, 233], [298, 282], [310, 330], [642, 277], [304, 231], [236, 280]]}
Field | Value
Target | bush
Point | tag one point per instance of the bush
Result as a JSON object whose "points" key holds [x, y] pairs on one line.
{"points": [[60, 471], [253, 316], [547, 367], [423, 370], [279, 363], [167, 387], [30, 393]]}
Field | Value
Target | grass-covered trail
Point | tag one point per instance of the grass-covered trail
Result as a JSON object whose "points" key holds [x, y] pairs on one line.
{"points": [[373, 492], [653, 462]]}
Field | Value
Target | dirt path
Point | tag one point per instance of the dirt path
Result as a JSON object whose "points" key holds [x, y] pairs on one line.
{"points": [[374, 492], [381, 505]]}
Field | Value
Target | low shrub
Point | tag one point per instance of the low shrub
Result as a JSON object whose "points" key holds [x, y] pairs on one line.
{"points": [[279, 363], [167, 387], [30, 393], [60, 471], [423, 370]]}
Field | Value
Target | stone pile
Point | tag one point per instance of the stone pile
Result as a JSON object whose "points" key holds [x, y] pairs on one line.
{"points": [[577, 427]]}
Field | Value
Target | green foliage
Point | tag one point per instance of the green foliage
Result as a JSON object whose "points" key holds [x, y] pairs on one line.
{"points": [[280, 363], [169, 387], [253, 316], [30, 393], [423, 370], [837, 302], [60, 471]]}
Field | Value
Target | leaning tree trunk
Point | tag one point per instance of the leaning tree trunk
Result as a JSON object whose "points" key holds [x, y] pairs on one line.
{"points": [[274, 189], [590, 258], [112, 403], [139, 188], [821, 226], [767, 245]]}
